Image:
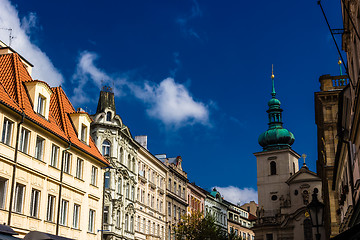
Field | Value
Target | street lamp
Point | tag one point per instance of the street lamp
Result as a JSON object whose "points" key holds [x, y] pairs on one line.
{"points": [[316, 210]]}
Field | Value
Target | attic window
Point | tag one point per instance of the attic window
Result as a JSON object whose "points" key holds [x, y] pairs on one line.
{"points": [[41, 105], [83, 133], [108, 116]]}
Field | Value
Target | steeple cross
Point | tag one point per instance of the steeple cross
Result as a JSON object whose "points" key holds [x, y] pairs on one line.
{"points": [[304, 157]]}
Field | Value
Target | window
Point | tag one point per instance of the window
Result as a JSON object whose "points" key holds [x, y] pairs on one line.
{"points": [[272, 168], [131, 224], [175, 211], [19, 198], [107, 179], [132, 193], [106, 148], [126, 222], [93, 175], [39, 148], [127, 190], [24, 140], [54, 155], [179, 213], [91, 220], [34, 204], [118, 219], [67, 162], [269, 236], [148, 199], [63, 212], [170, 184], [142, 196], [143, 226], [108, 116], [50, 208], [6, 133], [119, 186], [79, 168], [138, 223], [169, 209], [3, 185], [161, 206], [76, 216], [106, 214], [152, 201], [41, 105], [83, 133]]}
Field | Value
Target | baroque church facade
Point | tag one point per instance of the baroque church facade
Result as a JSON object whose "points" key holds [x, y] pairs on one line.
{"points": [[114, 140], [284, 190]]}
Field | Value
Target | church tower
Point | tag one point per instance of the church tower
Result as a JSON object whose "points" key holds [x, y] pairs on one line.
{"points": [[277, 162]]}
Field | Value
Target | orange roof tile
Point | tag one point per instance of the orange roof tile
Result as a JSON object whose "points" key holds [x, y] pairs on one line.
{"points": [[13, 93]]}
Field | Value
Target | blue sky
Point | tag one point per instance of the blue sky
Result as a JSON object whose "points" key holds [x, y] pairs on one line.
{"points": [[193, 75]]}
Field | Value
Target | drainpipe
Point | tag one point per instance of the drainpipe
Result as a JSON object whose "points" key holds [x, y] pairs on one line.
{"points": [[60, 188], [14, 168]]}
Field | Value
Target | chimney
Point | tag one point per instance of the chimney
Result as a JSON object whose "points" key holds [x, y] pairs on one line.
{"points": [[142, 140]]}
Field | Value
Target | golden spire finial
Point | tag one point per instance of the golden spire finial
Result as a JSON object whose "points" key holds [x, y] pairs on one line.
{"points": [[339, 62], [272, 71]]}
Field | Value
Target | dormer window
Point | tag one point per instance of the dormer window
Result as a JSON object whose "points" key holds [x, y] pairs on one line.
{"points": [[83, 132], [41, 105], [40, 94], [108, 116]]}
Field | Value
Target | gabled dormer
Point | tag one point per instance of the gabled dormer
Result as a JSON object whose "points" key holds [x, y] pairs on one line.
{"points": [[40, 94], [81, 121]]}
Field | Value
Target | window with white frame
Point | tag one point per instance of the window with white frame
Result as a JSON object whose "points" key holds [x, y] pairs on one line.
{"points": [[6, 132], [41, 105], [107, 179], [132, 224], [76, 216], [118, 223], [67, 162], [83, 133], [34, 203], [91, 220], [50, 208], [119, 185], [64, 212], [126, 222], [79, 168], [54, 155], [106, 214], [94, 175], [106, 146], [127, 190], [3, 186], [19, 198], [39, 148], [24, 140], [133, 193]]}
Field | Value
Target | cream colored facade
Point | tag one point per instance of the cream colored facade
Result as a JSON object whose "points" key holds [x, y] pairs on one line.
{"points": [[50, 177], [150, 205]]}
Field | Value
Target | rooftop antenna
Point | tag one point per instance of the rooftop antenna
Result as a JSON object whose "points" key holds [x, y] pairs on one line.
{"points": [[11, 37]]}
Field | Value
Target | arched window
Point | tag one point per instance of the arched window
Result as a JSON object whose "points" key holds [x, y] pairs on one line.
{"points": [[108, 116], [272, 168], [127, 190], [132, 224], [126, 222], [121, 155], [106, 145]]}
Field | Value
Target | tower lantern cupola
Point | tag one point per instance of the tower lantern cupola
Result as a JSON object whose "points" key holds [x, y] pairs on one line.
{"points": [[276, 137]]}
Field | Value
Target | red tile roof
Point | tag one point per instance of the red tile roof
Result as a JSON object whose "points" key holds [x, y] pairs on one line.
{"points": [[13, 93]]}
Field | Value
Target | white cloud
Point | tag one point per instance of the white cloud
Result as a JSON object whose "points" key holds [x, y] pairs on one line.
{"points": [[21, 30], [171, 103], [168, 101], [237, 195], [184, 21]]}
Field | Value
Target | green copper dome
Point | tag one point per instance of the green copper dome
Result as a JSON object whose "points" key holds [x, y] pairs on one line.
{"points": [[276, 137]]}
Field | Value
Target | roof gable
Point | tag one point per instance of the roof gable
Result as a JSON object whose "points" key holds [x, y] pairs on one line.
{"points": [[304, 174]]}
